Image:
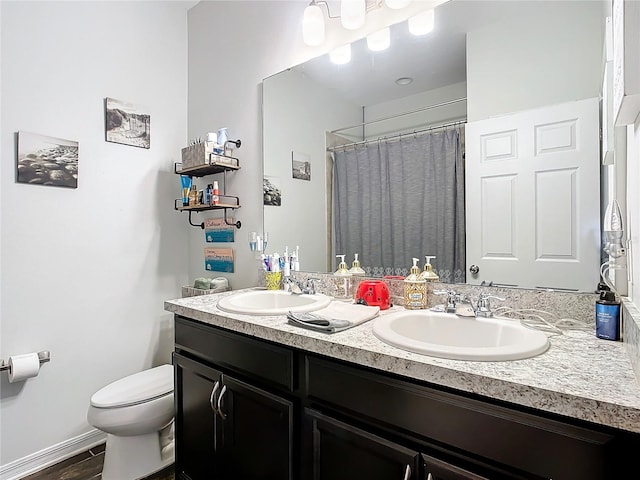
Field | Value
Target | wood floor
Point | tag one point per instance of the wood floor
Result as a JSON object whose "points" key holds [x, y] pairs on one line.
{"points": [[87, 466]]}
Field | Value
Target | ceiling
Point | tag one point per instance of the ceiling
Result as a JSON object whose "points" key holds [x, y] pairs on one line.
{"points": [[432, 61]]}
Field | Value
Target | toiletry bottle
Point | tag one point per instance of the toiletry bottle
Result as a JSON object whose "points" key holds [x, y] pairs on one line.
{"points": [[428, 274], [286, 269], [608, 316], [342, 279], [186, 187], [356, 269], [415, 289], [222, 140], [296, 262], [207, 194], [193, 196], [215, 194]]}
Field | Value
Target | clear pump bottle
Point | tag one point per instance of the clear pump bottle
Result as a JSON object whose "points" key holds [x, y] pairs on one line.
{"points": [[342, 280], [356, 269], [428, 275]]}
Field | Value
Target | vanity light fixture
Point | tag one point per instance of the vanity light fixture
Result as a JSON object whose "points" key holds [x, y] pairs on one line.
{"points": [[352, 16], [422, 23], [379, 40], [313, 25], [352, 13], [341, 55]]}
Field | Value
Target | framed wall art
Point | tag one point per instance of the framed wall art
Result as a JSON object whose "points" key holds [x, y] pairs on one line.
{"points": [[44, 160], [126, 124]]}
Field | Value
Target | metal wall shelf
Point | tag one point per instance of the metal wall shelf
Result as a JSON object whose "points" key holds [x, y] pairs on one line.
{"points": [[213, 164]]}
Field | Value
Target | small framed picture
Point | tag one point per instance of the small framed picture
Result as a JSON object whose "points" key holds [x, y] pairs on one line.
{"points": [[46, 160], [300, 166], [272, 191], [126, 124]]}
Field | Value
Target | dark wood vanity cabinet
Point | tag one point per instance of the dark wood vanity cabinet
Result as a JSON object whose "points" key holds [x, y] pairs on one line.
{"points": [[227, 428], [251, 409], [339, 451]]}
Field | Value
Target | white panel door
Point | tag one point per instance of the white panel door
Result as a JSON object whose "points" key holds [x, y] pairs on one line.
{"points": [[533, 198]]}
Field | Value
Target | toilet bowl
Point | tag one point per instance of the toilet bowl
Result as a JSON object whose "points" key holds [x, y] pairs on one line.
{"points": [[136, 412]]}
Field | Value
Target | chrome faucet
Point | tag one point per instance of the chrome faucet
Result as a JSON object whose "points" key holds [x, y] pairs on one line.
{"points": [[452, 299], [291, 285], [483, 307]]}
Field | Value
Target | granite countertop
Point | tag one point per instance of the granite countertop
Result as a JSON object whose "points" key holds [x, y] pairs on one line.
{"points": [[580, 376]]}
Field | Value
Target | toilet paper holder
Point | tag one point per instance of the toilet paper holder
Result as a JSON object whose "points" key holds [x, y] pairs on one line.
{"points": [[44, 356]]}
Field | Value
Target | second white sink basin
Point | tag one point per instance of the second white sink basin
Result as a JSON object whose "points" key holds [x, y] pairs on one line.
{"points": [[449, 336], [271, 302]]}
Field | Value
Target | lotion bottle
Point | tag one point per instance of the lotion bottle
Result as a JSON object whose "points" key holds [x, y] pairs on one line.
{"points": [[428, 275], [342, 279], [356, 269], [415, 289]]}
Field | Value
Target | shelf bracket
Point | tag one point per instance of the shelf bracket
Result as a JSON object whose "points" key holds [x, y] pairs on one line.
{"points": [[237, 224], [201, 225]]}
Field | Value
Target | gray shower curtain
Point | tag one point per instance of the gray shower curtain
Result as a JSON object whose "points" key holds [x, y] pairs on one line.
{"points": [[402, 199]]}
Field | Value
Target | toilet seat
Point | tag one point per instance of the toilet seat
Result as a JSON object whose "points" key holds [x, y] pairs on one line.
{"points": [[135, 389]]}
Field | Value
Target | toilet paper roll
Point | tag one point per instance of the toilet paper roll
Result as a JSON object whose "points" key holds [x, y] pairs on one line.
{"points": [[23, 366]]}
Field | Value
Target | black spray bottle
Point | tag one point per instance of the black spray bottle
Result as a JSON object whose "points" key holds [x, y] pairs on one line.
{"points": [[607, 315]]}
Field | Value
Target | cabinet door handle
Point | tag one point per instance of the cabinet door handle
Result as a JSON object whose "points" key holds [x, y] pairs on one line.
{"points": [[407, 473], [212, 399], [222, 392]]}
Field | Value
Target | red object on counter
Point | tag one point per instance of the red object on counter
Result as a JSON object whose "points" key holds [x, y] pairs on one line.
{"points": [[374, 293]]}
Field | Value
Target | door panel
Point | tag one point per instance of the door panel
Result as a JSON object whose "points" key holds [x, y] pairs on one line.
{"points": [[532, 197], [195, 421], [255, 438], [338, 451]]}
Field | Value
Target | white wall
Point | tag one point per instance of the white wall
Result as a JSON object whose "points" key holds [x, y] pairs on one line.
{"points": [[298, 111], [506, 72], [412, 103], [85, 271], [633, 210], [233, 46]]}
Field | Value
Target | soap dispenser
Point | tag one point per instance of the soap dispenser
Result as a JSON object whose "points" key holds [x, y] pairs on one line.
{"points": [[415, 289], [428, 274], [356, 269], [342, 279]]}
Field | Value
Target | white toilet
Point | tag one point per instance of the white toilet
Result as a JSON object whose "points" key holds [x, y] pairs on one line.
{"points": [[137, 413]]}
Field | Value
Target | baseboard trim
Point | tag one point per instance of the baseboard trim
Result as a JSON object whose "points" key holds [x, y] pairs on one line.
{"points": [[51, 455]]}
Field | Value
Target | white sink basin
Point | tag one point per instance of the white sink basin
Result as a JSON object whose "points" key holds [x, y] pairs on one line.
{"points": [[271, 302], [446, 335]]}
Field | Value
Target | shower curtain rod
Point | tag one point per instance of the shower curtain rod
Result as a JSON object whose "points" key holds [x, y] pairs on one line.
{"points": [[397, 135], [443, 104]]}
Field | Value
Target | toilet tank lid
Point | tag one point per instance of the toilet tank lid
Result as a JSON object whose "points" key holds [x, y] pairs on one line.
{"points": [[136, 388]]}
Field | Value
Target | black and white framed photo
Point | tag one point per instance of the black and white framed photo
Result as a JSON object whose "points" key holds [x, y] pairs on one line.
{"points": [[126, 124], [272, 191], [44, 160], [300, 166]]}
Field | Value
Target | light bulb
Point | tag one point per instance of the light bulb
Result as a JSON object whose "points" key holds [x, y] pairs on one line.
{"points": [[379, 40], [313, 26], [397, 4], [352, 13], [341, 55], [422, 23]]}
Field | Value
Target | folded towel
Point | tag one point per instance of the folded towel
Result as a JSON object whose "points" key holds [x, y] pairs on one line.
{"points": [[337, 316]]}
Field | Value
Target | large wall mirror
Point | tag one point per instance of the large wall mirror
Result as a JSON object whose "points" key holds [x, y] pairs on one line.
{"points": [[484, 59]]}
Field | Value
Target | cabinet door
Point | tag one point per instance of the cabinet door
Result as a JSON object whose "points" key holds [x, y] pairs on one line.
{"points": [[337, 451], [436, 469], [255, 435], [196, 387]]}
